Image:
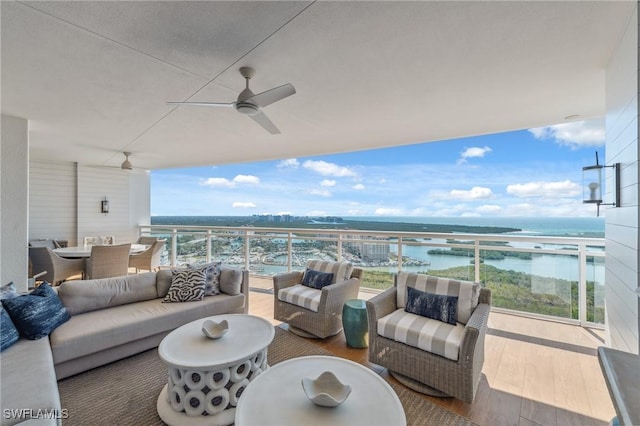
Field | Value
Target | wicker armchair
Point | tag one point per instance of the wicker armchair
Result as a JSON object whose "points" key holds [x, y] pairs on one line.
{"points": [[147, 240], [422, 370], [58, 268], [108, 261], [149, 259], [327, 320]]}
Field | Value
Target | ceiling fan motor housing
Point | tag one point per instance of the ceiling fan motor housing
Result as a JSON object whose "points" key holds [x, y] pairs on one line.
{"points": [[247, 108]]}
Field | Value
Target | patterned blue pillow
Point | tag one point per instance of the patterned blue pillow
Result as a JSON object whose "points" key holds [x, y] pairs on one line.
{"points": [[187, 285], [211, 277], [8, 332], [316, 279], [435, 306], [38, 313]]}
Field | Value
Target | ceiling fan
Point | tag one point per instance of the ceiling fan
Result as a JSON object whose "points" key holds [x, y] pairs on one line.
{"points": [[250, 104]]}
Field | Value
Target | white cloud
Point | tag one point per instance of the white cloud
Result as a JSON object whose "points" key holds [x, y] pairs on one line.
{"points": [[358, 187], [475, 193], [283, 213], [317, 213], [254, 180], [328, 169], [382, 181], [243, 205], [328, 182], [320, 192], [381, 211], [489, 208], [576, 134], [288, 163], [473, 152], [218, 183], [226, 183], [355, 212], [560, 189]]}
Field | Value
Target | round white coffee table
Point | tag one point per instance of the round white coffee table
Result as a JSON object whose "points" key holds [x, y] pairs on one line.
{"points": [[207, 376], [276, 396]]}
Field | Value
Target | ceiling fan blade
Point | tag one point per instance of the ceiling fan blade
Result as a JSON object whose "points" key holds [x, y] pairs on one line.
{"points": [[264, 121], [273, 95], [213, 104]]}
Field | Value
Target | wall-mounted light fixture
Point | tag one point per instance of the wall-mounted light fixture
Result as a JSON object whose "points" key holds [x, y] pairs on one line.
{"points": [[104, 206], [592, 185]]}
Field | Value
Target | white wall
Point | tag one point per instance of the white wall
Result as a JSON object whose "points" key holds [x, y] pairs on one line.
{"points": [[66, 202], [622, 230], [53, 201], [14, 204]]}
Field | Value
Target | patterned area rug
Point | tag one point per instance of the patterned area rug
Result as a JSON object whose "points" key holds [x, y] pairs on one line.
{"points": [[125, 392]]}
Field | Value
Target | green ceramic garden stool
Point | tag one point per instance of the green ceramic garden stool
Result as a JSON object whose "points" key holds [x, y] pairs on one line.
{"points": [[355, 323]]}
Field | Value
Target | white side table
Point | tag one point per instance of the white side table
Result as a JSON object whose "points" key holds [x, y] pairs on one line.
{"points": [[276, 396], [207, 376]]}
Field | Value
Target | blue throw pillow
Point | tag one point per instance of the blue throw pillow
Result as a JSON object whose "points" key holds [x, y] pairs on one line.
{"points": [[8, 332], [435, 306], [8, 291], [316, 279], [38, 313]]}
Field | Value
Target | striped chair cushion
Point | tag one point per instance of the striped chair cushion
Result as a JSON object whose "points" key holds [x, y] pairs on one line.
{"points": [[467, 292], [301, 295], [423, 333], [341, 270]]}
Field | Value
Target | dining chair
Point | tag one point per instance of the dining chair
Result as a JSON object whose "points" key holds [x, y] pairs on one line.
{"points": [[149, 259], [57, 268], [99, 241], [146, 240], [108, 261]]}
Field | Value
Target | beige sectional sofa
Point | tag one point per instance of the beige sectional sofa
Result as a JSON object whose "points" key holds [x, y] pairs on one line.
{"points": [[110, 319]]}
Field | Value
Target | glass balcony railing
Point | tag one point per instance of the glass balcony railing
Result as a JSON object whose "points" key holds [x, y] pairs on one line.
{"points": [[551, 277]]}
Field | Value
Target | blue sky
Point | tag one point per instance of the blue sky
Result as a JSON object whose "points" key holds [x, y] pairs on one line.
{"points": [[526, 173]]}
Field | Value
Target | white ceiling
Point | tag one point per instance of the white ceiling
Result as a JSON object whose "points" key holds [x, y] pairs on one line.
{"points": [[94, 77]]}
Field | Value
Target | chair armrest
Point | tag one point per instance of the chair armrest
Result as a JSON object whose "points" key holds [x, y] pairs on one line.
{"points": [[333, 296], [286, 280], [379, 306], [475, 330]]}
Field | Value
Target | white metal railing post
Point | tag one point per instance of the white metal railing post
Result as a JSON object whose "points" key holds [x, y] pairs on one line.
{"points": [[339, 242], [208, 250], [399, 253], [246, 250], [174, 247], [289, 252], [476, 263], [582, 283]]}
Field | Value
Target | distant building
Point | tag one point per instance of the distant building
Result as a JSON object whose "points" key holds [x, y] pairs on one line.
{"points": [[368, 249]]}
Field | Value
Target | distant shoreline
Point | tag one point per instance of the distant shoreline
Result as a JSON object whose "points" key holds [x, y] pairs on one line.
{"points": [[334, 223]]}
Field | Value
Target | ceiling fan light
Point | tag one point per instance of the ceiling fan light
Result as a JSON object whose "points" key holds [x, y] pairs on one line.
{"points": [[126, 164], [246, 108]]}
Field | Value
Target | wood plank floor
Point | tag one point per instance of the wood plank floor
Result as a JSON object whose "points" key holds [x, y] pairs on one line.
{"points": [[535, 372]]}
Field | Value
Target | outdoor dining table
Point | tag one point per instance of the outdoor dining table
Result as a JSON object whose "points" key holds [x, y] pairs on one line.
{"points": [[85, 251]]}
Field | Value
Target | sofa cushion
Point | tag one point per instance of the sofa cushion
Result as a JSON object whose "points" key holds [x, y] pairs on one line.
{"points": [[81, 296], [341, 270], [424, 333], [186, 286], [231, 280], [435, 306], [38, 313], [467, 292], [316, 279], [300, 295], [8, 331], [96, 331], [29, 382], [163, 281]]}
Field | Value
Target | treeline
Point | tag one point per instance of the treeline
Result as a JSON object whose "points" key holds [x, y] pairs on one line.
{"points": [[513, 290]]}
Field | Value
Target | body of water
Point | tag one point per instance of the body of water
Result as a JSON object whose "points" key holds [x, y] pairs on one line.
{"points": [[535, 226]]}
